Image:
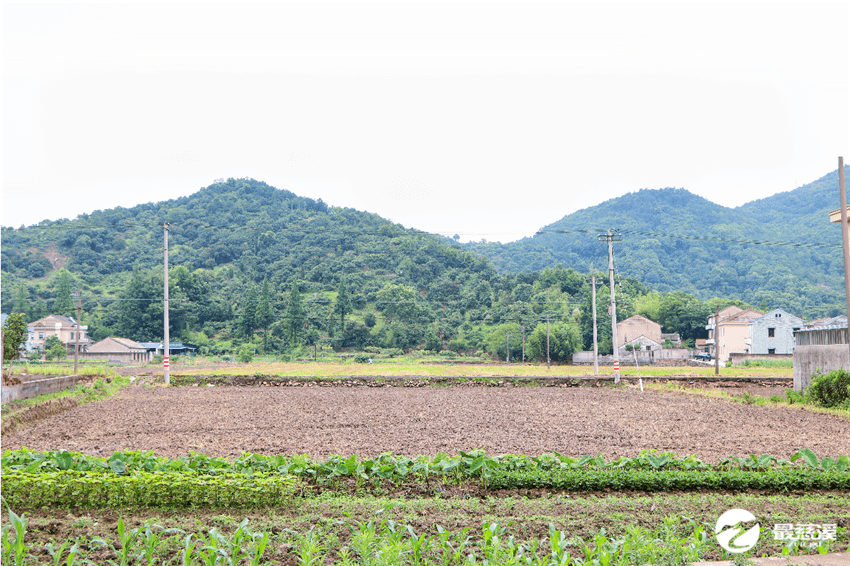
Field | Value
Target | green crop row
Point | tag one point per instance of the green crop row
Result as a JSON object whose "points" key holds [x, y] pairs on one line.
{"points": [[387, 466], [378, 542], [146, 489], [260, 490], [775, 480]]}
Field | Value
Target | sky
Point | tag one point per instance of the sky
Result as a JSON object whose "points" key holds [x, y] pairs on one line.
{"points": [[486, 120]]}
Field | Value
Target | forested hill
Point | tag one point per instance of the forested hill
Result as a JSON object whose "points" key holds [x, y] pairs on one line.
{"points": [[239, 247], [780, 251]]}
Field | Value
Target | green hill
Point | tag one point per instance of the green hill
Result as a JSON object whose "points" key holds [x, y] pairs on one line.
{"points": [[249, 261], [780, 251]]}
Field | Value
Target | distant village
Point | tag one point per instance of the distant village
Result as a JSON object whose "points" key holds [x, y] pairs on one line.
{"points": [[734, 335]]}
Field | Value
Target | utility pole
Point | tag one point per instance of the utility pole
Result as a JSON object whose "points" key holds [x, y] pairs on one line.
{"points": [[716, 340], [595, 340], [508, 346], [523, 343], [611, 237], [845, 235], [77, 335], [166, 342], [548, 359]]}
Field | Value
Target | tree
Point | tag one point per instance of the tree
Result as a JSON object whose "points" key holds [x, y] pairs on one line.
{"points": [[564, 340], [247, 320], [14, 337], [53, 348], [343, 303], [63, 304], [295, 315], [264, 316], [397, 301]]}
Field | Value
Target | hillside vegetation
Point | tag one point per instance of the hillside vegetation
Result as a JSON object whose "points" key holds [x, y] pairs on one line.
{"points": [[778, 252], [255, 269]]}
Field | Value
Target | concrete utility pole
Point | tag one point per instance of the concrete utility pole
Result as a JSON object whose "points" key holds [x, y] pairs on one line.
{"points": [[595, 340], [166, 342], [523, 343], [77, 335], [716, 340], [508, 346], [611, 237], [548, 359], [845, 235]]}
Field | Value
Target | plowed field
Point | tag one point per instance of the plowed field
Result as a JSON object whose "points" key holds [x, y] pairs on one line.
{"points": [[225, 421]]}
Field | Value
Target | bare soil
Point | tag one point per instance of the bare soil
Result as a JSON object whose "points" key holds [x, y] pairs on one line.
{"points": [[319, 421]]}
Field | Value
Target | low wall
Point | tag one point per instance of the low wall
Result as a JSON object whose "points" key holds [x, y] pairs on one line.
{"points": [[739, 358], [666, 356], [824, 359], [38, 387]]}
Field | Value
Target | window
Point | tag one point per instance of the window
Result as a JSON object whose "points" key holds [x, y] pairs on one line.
{"points": [[771, 332], [41, 335], [72, 335], [771, 351]]}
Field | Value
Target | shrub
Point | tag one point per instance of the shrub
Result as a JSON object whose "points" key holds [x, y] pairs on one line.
{"points": [[830, 390], [246, 354], [362, 359], [448, 354], [156, 360]]}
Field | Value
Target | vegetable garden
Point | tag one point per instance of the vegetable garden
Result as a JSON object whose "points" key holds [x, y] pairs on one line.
{"points": [[415, 475]]}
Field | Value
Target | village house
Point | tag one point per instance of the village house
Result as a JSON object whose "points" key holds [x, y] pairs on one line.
{"points": [[729, 331], [773, 333], [118, 350], [63, 327], [640, 333]]}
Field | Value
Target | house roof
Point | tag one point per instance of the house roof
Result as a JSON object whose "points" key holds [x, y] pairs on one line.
{"points": [[640, 319], [50, 321], [772, 315], [114, 344], [839, 321], [731, 310], [746, 316]]}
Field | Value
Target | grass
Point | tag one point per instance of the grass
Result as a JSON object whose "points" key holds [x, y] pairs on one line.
{"points": [[790, 400], [404, 367], [64, 368], [103, 387]]}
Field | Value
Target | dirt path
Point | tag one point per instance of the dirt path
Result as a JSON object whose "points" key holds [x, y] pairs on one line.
{"points": [[224, 421]]}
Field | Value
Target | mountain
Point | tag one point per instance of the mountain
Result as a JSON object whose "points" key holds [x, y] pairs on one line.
{"points": [[241, 255], [779, 251]]}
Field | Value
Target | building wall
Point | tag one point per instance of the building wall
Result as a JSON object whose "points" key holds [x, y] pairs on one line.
{"points": [[38, 335], [783, 327], [822, 359], [732, 338], [634, 327]]}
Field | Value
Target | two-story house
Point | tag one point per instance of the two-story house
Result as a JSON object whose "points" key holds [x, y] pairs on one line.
{"points": [[729, 331], [64, 327], [773, 333]]}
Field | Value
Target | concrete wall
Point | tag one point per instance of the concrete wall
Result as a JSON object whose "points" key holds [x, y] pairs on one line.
{"points": [[643, 357], [809, 359], [37, 387], [738, 358]]}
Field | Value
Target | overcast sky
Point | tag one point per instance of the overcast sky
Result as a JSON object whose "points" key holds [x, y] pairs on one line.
{"points": [[481, 119]]}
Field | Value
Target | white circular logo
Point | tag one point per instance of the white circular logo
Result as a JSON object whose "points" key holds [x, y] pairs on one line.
{"points": [[728, 528]]}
